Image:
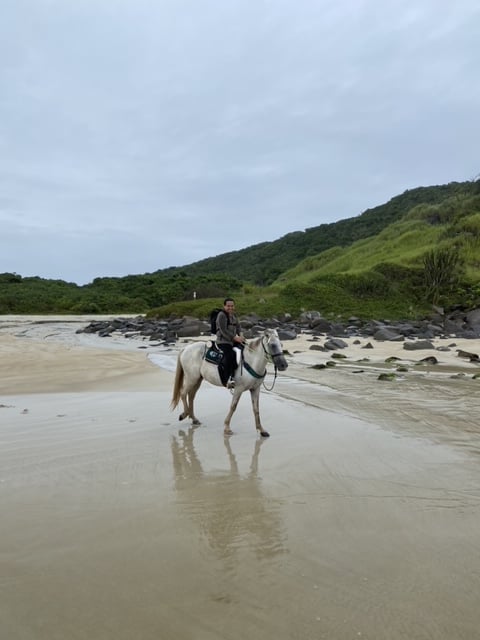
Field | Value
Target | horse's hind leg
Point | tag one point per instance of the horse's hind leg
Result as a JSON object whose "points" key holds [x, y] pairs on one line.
{"points": [[187, 396], [185, 413], [190, 398]]}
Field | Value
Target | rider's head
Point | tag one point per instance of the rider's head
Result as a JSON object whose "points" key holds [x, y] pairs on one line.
{"points": [[229, 305]]}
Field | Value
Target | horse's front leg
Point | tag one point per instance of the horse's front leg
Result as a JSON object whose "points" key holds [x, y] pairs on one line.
{"points": [[255, 396], [226, 424]]}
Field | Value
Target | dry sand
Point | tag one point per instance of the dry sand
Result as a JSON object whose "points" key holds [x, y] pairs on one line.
{"points": [[358, 518]]}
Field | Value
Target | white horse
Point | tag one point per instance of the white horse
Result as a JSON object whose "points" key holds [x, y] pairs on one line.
{"points": [[192, 369]]}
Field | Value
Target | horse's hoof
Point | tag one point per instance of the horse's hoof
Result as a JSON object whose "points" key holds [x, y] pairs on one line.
{"points": [[196, 422], [181, 416], [264, 434], [227, 432]]}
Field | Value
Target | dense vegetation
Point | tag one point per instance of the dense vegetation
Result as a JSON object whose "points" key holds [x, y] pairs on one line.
{"points": [[397, 259], [133, 293]]}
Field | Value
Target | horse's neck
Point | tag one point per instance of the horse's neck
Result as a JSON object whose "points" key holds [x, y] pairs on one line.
{"points": [[255, 354]]}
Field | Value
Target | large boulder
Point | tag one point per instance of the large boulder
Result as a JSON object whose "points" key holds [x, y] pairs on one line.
{"points": [[335, 343], [320, 325], [189, 327], [472, 320], [418, 345], [286, 334], [385, 334]]}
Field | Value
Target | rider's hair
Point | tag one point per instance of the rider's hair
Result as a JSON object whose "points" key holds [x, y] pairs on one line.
{"points": [[228, 300]]}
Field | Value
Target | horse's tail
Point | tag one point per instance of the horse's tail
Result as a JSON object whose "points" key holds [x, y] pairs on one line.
{"points": [[177, 387]]}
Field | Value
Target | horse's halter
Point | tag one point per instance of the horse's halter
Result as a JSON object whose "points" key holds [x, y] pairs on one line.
{"points": [[273, 351]]}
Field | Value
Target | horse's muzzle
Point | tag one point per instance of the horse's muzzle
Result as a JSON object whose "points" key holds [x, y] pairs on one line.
{"points": [[280, 361]]}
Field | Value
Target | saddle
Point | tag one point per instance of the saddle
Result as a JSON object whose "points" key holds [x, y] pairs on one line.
{"points": [[213, 354], [216, 356]]}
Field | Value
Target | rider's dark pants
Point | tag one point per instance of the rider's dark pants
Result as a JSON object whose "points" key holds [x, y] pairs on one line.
{"points": [[230, 358]]}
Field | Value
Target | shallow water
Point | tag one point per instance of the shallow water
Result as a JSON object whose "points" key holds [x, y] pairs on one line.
{"points": [[114, 525]]}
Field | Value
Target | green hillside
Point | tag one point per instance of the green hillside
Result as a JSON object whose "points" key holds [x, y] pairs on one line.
{"points": [[421, 247], [263, 263], [431, 255]]}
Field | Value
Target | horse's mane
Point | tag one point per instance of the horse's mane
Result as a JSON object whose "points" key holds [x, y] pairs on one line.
{"points": [[253, 344]]}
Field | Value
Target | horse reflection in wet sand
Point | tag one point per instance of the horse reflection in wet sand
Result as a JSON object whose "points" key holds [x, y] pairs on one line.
{"points": [[192, 369], [229, 507]]}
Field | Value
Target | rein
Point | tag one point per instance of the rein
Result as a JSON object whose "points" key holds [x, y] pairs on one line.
{"points": [[256, 375], [252, 372]]}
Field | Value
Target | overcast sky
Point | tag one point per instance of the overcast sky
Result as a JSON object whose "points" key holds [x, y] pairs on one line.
{"points": [[141, 134]]}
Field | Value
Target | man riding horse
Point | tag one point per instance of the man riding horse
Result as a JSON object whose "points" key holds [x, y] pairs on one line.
{"points": [[229, 336]]}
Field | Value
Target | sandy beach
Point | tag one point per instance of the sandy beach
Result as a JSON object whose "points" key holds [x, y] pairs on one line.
{"points": [[358, 518]]}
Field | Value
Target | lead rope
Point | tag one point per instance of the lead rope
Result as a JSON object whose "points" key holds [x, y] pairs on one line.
{"points": [[273, 383]]}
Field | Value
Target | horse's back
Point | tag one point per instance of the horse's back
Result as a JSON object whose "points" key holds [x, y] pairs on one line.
{"points": [[192, 359], [191, 356]]}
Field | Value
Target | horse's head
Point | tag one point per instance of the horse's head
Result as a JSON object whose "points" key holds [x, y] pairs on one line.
{"points": [[273, 348]]}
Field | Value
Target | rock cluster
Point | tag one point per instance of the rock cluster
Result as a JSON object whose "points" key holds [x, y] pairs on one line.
{"points": [[415, 333]]}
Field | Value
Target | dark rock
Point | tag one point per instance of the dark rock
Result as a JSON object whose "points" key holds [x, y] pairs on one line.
{"points": [[320, 324], [193, 328], [286, 334], [337, 330], [473, 357], [473, 317], [419, 345], [452, 326], [307, 317], [384, 334], [335, 343], [387, 376]]}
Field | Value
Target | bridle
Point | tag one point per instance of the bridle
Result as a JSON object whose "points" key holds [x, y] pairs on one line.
{"points": [[270, 358]]}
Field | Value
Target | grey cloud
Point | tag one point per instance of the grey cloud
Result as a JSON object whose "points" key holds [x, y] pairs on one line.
{"points": [[135, 117]]}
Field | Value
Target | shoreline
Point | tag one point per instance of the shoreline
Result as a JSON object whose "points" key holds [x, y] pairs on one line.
{"points": [[439, 400]]}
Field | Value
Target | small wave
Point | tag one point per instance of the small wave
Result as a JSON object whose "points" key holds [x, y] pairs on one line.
{"points": [[163, 361]]}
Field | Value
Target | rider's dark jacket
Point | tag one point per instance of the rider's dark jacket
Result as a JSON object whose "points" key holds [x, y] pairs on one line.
{"points": [[228, 327]]}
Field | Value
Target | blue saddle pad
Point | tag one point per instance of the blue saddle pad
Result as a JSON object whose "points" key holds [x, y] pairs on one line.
{"points": [[215, 356]]}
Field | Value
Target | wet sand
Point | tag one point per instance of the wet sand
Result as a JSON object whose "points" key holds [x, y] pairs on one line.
{"points": [[358, 518]]}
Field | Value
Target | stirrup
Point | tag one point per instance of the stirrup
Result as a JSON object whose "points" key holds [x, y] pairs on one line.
{"points": [[230, 384]]}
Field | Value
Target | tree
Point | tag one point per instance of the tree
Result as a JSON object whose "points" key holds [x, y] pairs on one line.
{"points": [[441, 272]]}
